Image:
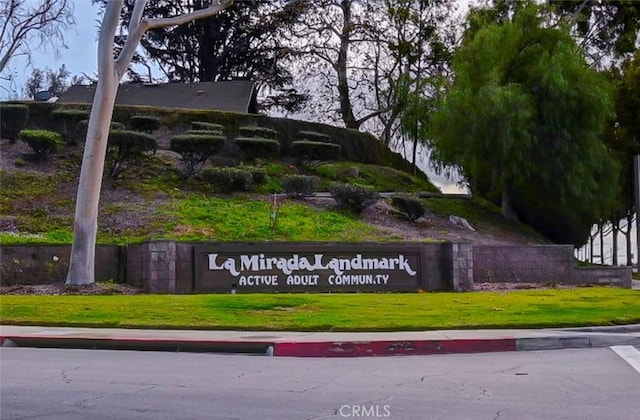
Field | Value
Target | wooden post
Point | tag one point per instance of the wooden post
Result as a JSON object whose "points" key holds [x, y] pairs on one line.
{"points": [[636, 171]]}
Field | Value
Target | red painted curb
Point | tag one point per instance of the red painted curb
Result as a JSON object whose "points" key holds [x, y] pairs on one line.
{"points": [[391, 348], [2, 338]]}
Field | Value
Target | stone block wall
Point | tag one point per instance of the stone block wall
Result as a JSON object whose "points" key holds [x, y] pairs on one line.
{"points": [[614, 276], [541, 264], [523, 264], [152, 266], [48, 264], [458, 259]]}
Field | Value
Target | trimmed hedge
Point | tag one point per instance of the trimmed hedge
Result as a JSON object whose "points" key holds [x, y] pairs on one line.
{"points": [[203, 133], [409, 205], [227, 180], [42, 142], [145, 123], [299, 186], [258, 147], [356, 146], [126, 147], [314, 136], [13, 119], [258, 132], [71, 124], [195, 150], [315, 150], [353, 197], [83, 126], [258, 175], [206, 126]]}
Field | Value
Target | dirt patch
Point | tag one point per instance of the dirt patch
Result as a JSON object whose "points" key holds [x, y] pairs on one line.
{"points": [[62, 289]]}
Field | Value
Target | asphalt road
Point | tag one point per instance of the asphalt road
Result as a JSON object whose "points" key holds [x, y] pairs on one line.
{"points": [[100, 384]]}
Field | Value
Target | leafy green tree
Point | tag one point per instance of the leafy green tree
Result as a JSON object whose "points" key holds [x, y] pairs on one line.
{"points": [[523, 121], [605, 29], [623, 138]]}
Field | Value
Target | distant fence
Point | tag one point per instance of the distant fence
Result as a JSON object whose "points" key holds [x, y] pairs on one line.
{"points": [[282, 267]]}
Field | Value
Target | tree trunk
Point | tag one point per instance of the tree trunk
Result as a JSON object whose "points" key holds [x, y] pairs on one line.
{"points": [[85, 226], [341, 68], [627, 236], [81, 267], [506, 205], [602, 244], [614, 231]]}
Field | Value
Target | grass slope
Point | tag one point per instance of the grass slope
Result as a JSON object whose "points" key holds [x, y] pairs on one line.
{"points": [[331, 312], [151, 201]]}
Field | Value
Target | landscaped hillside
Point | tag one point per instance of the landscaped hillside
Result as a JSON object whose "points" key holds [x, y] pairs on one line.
{"points": [[152, 198]]}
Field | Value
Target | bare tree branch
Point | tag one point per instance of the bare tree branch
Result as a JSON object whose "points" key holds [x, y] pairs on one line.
{"points": [[25, 20]]}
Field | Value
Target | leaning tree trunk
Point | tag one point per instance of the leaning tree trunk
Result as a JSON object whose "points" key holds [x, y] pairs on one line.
{"points": [[85, 226], [110, 70]]}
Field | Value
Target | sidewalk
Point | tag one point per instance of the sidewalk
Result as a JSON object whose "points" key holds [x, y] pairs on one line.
{"points": [[322, 344]]}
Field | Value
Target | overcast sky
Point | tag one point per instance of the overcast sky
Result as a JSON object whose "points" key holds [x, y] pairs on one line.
{"points": [[79, 57]]}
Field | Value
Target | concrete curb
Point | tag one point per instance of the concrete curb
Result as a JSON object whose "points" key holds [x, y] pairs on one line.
{"points": [[326, 349]]}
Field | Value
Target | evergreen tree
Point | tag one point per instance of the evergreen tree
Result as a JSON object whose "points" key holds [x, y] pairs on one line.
{"points": [[524, 120]]}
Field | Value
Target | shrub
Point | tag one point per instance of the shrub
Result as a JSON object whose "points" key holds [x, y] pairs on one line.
{"points": [[353, 197], [299, 186], [315, 150], [13, 120], [258, 132], [144, 123], [313, 136], [126, 147], [203, 132], [258, 175], [83, 126], [42, 142], [409, 205], [207, 126], [258, 147], [195, 150], [71, 124], [115, 125], [227, 180]]}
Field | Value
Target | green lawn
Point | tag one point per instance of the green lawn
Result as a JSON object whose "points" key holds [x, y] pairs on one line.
{"points": [[331, 312]]}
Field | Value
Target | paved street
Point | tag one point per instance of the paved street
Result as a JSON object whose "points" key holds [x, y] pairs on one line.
{"points": [[101, 384]]}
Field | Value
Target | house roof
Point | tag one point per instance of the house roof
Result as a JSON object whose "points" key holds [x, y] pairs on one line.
{"points": [[232, 96]]}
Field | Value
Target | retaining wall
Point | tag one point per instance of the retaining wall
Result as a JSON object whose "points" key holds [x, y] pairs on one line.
{"points": [[171, 267], [540, 264]]}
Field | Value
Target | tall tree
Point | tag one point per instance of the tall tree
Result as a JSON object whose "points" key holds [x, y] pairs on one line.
{"points": [[244, 43], [28, 24], [54, 81], [523, 120], [110, 71], [353, 53], [607, 30], [623, 138]]}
